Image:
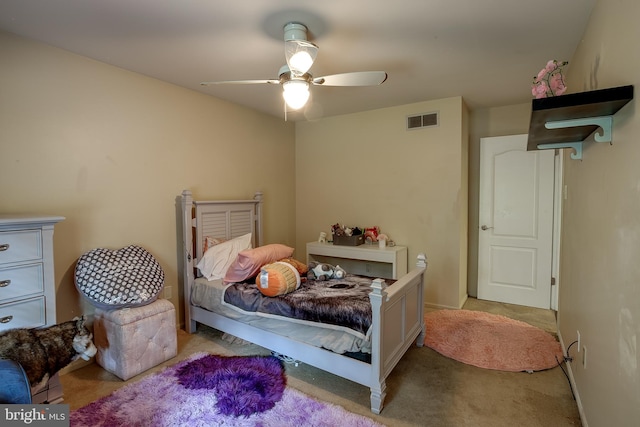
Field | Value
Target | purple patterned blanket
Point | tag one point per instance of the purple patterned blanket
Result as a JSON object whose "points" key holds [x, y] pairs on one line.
{"points": [[340, 302]]}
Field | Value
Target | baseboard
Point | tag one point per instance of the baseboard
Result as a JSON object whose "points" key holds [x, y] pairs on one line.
{"points": [[461, 302], [572, 382], [439, 306]]}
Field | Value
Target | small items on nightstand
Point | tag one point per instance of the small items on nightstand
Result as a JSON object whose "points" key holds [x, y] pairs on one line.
{"points": [[323, 237]]}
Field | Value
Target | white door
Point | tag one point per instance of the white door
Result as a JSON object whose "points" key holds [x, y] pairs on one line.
{"points": [[516, 222]]}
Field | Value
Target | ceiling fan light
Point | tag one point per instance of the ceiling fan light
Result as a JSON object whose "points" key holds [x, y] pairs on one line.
{"points": [[300, 55], [295, 93]]}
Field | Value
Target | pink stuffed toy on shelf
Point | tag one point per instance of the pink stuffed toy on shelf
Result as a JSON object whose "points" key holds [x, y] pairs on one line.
{"points": [[371, 234]]}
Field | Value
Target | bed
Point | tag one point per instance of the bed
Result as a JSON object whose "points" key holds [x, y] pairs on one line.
{"points": [[397, 311]]}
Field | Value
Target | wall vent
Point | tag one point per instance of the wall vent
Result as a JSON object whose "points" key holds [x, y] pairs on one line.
{"points": [[422, 121]]}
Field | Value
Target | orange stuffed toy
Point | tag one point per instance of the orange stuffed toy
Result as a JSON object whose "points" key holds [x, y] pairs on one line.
{"points": [[280, 277]]}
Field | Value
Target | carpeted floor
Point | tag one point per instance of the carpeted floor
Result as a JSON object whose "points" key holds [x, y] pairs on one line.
{"points": [[425, 389]]}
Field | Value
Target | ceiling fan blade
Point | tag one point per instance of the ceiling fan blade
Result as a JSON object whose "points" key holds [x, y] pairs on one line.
{"points": [[241, 82], [359, 78]]}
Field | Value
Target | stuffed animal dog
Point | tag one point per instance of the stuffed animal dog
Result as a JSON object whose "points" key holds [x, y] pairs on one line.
{"points": [[322, 271], [43, 352]]}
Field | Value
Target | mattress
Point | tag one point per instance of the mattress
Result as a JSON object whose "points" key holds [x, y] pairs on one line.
{"points": [[209, 295]]}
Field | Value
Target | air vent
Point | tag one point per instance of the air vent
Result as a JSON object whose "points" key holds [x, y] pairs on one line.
{"points": [[422, 121]]}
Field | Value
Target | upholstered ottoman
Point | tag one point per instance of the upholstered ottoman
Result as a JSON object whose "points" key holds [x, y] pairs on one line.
{"points": [[132, 340]]}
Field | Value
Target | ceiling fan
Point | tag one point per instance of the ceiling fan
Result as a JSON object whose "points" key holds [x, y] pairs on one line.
{"points": [[295, 77]]}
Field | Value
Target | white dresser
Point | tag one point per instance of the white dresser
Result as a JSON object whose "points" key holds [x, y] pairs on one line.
{"points": [[366, 260], [27, 283]]}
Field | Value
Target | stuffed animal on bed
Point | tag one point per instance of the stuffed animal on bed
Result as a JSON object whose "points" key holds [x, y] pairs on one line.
{"points": [[322, 271], [43, 352], [339, 272], [280, 277]]}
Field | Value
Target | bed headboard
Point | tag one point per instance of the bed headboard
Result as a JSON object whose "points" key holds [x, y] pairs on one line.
{"points": [[216, 218]]}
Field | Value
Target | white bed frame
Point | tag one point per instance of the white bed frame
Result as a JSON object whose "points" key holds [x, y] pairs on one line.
{"points": [[398, 319]]}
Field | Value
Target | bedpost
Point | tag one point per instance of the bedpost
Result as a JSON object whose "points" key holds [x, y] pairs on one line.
{"points": [[187, 257], [378, 385], [421, 263], [258, 228]]}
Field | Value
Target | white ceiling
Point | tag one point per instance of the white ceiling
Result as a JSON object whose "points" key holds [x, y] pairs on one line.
{"points": [[486, 51]]}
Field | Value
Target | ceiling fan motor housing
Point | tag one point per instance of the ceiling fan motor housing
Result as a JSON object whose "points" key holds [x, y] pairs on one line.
{"points": [[295, 31]]}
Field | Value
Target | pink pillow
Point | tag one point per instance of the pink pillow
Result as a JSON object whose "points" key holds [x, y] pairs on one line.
{"points": [[248, 262]]}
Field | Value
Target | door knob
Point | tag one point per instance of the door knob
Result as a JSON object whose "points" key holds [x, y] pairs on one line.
{"points": [[485, 228]]}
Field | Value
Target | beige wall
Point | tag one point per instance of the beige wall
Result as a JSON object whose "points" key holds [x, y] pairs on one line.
{"points": [[111, 150], [600, 248], [366, 169]]}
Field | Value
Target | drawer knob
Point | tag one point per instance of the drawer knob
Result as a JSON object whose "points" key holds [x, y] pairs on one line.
{"points": [[5, 283], [6, 319], [4, 247]]}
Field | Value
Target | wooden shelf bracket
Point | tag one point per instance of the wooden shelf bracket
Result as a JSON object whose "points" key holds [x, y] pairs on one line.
{"points": [[605, 123]]}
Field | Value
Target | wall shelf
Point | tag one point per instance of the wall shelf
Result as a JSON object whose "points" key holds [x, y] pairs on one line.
{"points": [[566, 121]]}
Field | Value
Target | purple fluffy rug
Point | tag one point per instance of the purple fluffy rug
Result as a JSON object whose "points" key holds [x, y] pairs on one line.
{"points": [[491, 341], [211, 390]]}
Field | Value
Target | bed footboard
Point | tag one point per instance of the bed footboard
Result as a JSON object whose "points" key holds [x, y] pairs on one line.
{"points": [[398, 322]]}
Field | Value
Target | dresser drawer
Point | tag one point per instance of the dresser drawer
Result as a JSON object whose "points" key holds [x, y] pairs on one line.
{"points": [[22, 314], [17, 246], [21, 282]]}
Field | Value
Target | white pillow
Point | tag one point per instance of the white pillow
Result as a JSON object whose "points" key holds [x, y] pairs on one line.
{"points": [[216, 260]]}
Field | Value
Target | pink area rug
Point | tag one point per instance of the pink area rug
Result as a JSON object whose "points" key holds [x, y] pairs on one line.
{"points": [[491, 341], [211, 390]]}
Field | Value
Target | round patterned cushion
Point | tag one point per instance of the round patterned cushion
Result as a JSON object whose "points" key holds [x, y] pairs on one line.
{"points": [[127, 277]]}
